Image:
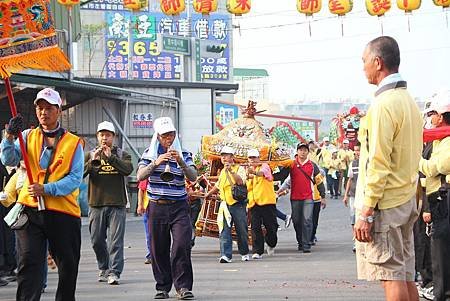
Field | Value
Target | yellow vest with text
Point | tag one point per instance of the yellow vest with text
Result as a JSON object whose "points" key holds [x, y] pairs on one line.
{"points": [[224, 185], [260, 191], [58, 169]]}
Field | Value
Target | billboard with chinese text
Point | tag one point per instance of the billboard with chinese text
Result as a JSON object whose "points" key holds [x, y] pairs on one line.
{"points": [[147, 61]]}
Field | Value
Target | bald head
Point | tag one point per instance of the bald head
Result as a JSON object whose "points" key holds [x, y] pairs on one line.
{"points": [[386, 48]]}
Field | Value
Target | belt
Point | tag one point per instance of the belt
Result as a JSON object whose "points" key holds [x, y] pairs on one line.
{"points": [[163, 202]]}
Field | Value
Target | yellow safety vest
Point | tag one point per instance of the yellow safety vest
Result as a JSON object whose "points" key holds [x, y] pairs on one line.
{"points": [[59, 168]]}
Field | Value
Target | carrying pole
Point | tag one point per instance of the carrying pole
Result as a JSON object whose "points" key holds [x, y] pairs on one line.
{"points": [[12, 106]]}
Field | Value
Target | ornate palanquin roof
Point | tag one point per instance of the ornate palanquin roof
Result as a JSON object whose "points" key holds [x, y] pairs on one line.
{"points": [[243, 134]]}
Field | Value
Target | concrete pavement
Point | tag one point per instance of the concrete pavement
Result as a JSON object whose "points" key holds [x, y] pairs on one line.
{"points": [[328, 273]]}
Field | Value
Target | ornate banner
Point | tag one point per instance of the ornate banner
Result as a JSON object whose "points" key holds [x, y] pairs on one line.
{"points": [[28, 38]]}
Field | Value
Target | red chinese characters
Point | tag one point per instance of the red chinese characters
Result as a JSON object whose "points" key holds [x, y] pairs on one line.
{"points": [[172, 7], [239, 7], [205, 6], [378, 7], [309, 7]]}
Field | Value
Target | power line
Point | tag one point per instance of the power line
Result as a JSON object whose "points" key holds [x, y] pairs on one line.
{"points": [[337, 58]]}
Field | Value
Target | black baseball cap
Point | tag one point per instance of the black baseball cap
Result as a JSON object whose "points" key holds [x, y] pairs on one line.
{"points": [[302, 144]]}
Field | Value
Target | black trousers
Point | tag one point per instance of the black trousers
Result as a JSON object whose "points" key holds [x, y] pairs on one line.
{"points": [[316, 212], [267, 216], [171, 230], [440, 248], [63, 233], [8, 262], [422, 251]]}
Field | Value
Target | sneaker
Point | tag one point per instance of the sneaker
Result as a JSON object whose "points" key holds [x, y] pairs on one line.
{"points": [[428, 293], [270, 251], [306, 250], [245, 257], [420, 290], [161, 295], [299, 248], [148, 261], [354, 248], [185, 294], [113, 279], [102, 276], [3, 282], [288, 221], [256, 256], [224, 259]]}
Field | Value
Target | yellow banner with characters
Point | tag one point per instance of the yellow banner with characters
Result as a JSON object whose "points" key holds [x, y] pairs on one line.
{"points": [[28, 38]]}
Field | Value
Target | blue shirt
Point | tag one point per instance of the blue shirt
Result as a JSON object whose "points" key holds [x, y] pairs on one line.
{"points": [[11, 156], [173, 190]]}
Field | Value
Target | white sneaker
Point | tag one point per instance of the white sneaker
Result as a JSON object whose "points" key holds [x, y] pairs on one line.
{"points": [[288, 221], [102, 276], [270, 251], [245, 257], [224, 259], [428, 293], [113, 279], [256, 256]]}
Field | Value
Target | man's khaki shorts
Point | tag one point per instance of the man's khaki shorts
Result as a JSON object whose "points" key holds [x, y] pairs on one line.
{"points": [[390, 256]]}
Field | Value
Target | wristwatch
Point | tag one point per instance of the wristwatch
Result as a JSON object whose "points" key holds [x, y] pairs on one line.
{"points": [[369, 219]]}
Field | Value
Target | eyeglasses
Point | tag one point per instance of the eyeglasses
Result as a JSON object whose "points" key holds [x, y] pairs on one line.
{"points": [[431, 113]]}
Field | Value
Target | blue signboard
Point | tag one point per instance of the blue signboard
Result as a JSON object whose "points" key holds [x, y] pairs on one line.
{"points": [[225, 113], [147, 61]]}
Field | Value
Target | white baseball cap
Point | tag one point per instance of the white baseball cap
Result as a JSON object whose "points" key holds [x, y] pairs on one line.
{"points": [[441, 102], [106, 126], [346, 141], [49, 95], [227, 150], [163, 125], [253, 153], [326, 139]]}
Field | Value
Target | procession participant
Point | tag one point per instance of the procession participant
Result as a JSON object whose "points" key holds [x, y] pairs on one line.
{"points": [[346, 155], [335, 168], [325, 156], [437, 171], [391, 145], [301, 182], [56, 163], [142, 210], [107, 167], [262, 205], [168, 210], [231, 210], [314, 152], [350, 189], [195, 205]]}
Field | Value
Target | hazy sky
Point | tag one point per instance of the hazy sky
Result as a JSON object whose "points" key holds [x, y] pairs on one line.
{"points": [[329, 65]]}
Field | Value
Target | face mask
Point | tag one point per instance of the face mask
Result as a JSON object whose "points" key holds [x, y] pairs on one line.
{"points": [[428, 124]]}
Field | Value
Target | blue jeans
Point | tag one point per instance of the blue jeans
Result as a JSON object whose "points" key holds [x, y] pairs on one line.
{"points": [[148, 237], [239, 219], [302, 218], [108, 222], [281, 215]]}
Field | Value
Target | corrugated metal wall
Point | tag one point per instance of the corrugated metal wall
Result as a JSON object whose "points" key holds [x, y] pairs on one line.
{"points": [[84, 118]]}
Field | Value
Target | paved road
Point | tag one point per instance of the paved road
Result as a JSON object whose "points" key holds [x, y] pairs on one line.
{"points": [[328, 273]]}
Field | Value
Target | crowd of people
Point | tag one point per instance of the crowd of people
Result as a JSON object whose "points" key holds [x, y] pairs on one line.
{"points": [[377, 180]]}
